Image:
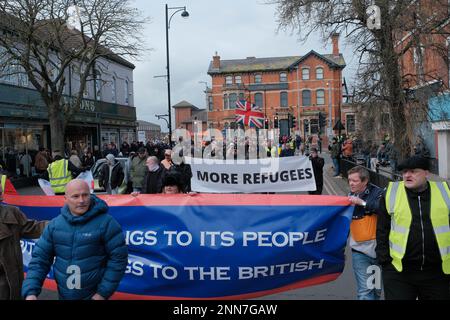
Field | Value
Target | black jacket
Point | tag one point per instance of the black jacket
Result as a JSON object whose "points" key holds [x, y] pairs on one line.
{"points": [[422, 250], [372, 196], [153, 181], [117, 175], [186, 175], [317, 165]]}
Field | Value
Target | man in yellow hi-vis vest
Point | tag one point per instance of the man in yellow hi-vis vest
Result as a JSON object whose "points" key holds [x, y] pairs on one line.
{"points": [[413, 235], [60, 172]]}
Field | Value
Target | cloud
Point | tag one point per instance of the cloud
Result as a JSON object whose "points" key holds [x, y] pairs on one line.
{"points": [[236, 29]]}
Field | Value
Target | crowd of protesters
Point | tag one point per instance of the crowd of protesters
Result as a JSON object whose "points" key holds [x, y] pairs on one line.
{"points": [[381, 221]]}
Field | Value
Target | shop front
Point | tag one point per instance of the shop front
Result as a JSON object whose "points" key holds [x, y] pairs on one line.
{"points": [[24, 126]]}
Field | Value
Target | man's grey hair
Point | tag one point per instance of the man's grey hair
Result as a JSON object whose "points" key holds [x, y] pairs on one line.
{"points": [[153, 158], [363, 173]]}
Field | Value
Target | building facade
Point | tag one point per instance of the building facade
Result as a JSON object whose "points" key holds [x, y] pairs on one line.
{"points": [[425, 67], [298, 86], [148, 131], [187, 116], [107, 113]]}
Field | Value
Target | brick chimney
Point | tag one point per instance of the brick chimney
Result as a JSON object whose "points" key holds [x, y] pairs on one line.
{"points": [[335, 40], [216, 61]]}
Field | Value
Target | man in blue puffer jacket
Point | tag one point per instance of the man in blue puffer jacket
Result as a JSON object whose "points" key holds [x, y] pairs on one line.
{"points": [[89, 246]]}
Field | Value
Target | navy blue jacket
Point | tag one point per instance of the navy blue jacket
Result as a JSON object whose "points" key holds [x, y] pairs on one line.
{"points": [[372, 196], [93, 242]]}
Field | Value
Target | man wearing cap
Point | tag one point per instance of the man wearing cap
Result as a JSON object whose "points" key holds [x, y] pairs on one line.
{"points": [[138, 170], [413, 235]]}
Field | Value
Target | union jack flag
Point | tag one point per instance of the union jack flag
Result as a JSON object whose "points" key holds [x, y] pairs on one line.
{"points": [[249, 114]]}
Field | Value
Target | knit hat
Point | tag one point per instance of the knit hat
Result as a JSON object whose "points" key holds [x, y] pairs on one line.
{"points": [[110, 157], [414, 162]]}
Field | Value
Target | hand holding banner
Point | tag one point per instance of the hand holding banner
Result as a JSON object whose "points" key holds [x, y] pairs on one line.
{"points": [[220, 246]]}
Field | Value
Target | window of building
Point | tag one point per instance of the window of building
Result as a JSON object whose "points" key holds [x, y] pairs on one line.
{"points": [[127, 92], [283, 77], [306, 98], [284, 99], [86, 90], [258, 78], [98, 85], [210, 103], [114, 89], [238, 79], [228, 80], [232, 98], [350, 123], [225, 102], [241, 96], [320, 97], [305, 74], [23, 78], [259, 99], [319, 73]]}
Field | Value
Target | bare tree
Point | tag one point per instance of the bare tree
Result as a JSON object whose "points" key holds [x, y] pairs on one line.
{"points": [[407, 27], [38, 40]]}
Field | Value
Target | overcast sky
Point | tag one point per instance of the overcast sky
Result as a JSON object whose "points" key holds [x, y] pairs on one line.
{"points": [[236, 29]]}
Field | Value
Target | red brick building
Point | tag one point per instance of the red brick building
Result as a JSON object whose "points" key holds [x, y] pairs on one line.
{"points": [[300, 86], [186, 114], [426, 76]]}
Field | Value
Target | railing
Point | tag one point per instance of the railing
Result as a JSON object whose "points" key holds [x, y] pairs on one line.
{"points": [[380, 178]]}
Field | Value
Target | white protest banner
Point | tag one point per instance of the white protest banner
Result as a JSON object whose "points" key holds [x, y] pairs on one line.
{"points": [[87, 176], [46, 187], [287, 174]]}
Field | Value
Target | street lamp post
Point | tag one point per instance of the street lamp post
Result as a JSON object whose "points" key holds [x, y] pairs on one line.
{"points": [[206, 93], [298, 100], [184, 14]]}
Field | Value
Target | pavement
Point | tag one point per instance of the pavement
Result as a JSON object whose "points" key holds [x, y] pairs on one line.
{"points": [[344, 288]]}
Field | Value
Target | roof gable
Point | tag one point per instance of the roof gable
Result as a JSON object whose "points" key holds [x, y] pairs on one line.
{"points": [[272, 64], [185, 104], [331, 60]]}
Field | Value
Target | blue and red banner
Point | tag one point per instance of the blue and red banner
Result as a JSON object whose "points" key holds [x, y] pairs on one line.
{"points": [[218, 246]]}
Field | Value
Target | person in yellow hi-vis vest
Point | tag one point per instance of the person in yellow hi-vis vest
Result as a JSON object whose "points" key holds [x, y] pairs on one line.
{"points": [[60, 172], [413, 235], [3, 181]]}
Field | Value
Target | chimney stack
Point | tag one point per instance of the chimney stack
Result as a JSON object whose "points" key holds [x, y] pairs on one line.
{"points": [[335, 40], [216, 61]]}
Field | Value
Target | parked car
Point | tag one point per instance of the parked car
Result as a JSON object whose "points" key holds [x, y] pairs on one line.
{"points": [[96, 172]]}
